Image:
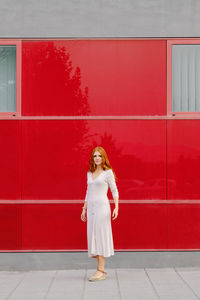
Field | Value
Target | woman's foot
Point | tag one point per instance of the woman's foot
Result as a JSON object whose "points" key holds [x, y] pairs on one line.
{"points": [[98, 273]]}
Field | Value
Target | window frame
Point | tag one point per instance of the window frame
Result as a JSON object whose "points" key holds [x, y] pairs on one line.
{"points": [[170, 43], [18, 44]]}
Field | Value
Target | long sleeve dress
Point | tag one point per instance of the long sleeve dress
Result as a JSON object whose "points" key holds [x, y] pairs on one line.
{"points": [[99, 230]]}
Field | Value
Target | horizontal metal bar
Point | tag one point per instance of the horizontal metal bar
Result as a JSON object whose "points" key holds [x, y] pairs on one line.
{"points": [[177, 116], [79, 201]]}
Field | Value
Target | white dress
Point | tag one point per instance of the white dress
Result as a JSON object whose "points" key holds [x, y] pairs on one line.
{"points": [[99, 230]]}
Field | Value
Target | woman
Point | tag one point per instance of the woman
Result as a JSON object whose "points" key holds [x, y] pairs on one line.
{"points": [[100, 176]]}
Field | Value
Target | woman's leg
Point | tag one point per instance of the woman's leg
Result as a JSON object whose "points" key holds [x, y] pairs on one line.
{"points": [[101, 262]]}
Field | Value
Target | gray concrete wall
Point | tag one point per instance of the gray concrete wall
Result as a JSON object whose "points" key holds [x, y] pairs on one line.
{"points": [[99, 18], [79, 260]]}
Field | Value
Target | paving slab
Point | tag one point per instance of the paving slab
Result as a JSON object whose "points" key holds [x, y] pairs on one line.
{"points": [[169, 285], [67, 284], [191, 277], [120, 284], [134, 285]]}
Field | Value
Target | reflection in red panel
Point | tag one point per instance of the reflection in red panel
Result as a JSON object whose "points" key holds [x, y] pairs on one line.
{"points": [[137, 150], [53, 226], [183, 163], [56, 157], [140, 226], [53, 155], [10, 227], [94, 77], [10, 159], [47, 226], [183, 226]]}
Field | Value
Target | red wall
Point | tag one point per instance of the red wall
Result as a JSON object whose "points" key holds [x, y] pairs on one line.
{"points": [[44, 160], [95, 77]]}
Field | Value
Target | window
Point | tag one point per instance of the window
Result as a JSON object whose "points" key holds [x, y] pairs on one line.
{"points": [[10, 79], [183, 78], [7, 78]]}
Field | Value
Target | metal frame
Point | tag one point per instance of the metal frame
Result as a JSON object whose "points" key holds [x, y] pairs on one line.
{"points": [[169, 76], [18, 44]]}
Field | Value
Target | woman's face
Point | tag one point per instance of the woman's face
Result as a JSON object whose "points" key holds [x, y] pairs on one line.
{"points": [[97, 158]]}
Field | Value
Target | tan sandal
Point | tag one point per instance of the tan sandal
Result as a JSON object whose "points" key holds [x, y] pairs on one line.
{"points": [[102, 271], [102, 277]]}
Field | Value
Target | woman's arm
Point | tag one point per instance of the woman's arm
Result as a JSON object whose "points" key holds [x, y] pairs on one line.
{"points": [[86, 197], [85, 205], [116, 199], [113, 187]]}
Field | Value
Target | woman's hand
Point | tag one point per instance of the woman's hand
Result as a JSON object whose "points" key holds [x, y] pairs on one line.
{"points": [[115, 213], [83, 218]]}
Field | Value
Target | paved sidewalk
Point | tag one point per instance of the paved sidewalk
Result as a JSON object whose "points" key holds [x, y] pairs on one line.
{"points": [[134, 284]]}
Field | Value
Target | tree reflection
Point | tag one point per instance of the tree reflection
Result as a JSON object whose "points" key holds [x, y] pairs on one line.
{"points": [[51, 85]]}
